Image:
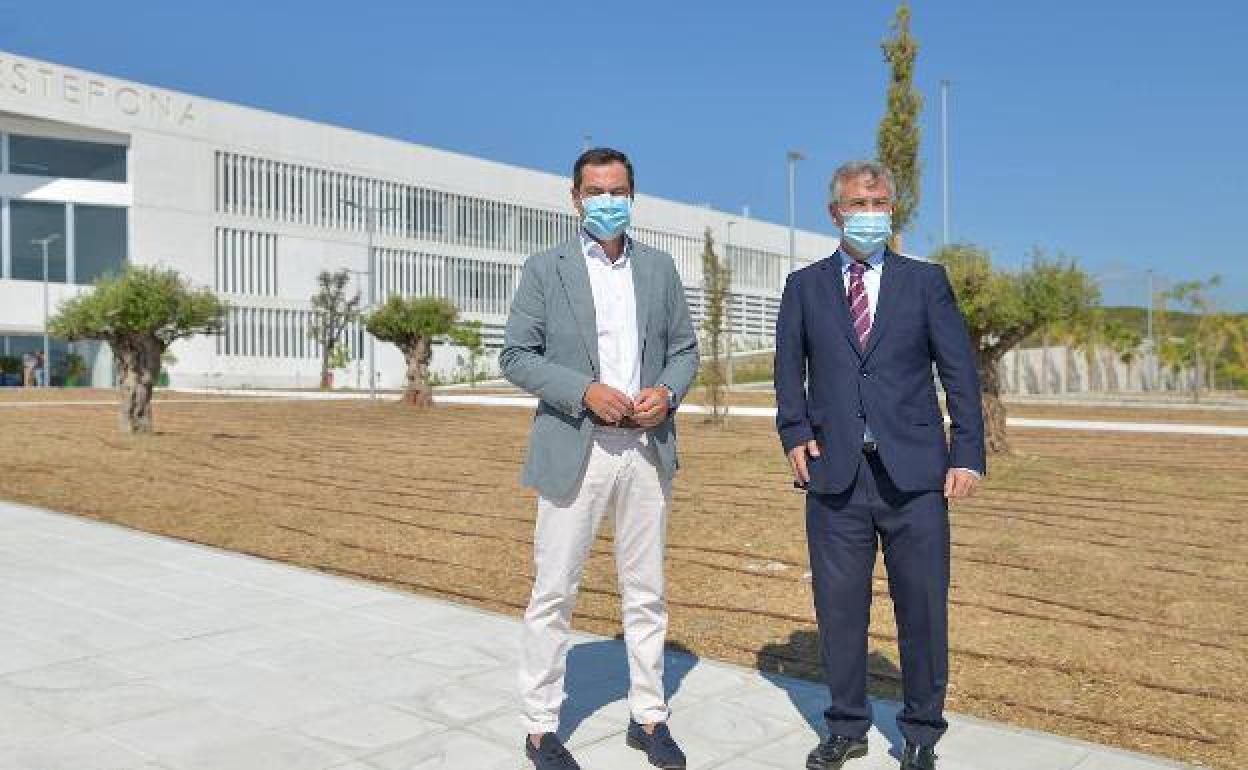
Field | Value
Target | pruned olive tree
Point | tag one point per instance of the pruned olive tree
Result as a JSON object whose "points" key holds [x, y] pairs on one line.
{"points": [[1003, 307], [139, 313], [411, 324]]}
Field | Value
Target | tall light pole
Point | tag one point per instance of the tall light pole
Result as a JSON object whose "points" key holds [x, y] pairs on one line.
{"points": [[1152, 343], [358, 274], [728, 291], [944, 157], [792, 158], [1151, 300], [43, 243], [371, 212]]}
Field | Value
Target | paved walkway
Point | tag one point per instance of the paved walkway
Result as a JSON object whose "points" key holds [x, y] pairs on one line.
{"points": [[121, 650]]}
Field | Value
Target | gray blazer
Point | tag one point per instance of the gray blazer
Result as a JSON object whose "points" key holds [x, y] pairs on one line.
{"points": [[550, 349]]}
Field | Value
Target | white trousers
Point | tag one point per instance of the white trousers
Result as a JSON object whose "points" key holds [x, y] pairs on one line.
{"points": [[622, 477]]}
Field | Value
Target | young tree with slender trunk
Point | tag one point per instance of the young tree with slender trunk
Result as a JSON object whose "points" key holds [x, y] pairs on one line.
{"points": [[333, 312], [715, 281], [1203, 344], [1237, 345], [1003, 308], [467, 335], [1125, 342], [412, 324], [139, 313], [898, 137]]}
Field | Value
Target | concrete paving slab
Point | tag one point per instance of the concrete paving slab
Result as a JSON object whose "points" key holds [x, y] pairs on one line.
{"points": [[121, 650]]}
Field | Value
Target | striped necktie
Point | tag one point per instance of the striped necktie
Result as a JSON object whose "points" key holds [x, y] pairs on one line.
{"points": [[859, 308]]}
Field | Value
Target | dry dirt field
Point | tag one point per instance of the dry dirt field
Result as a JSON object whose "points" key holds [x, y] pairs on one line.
{"points": [[1100, 580], [1186, 414]]}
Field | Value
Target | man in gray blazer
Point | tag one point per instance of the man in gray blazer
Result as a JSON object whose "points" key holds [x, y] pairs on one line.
{"points": [[600, 332]]}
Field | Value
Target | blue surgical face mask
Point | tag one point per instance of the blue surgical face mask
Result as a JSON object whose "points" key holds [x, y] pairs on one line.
{"points": [[606, 215], [867, 231]]}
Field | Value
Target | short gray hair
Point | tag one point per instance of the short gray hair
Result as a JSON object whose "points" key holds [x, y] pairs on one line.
{"points": [[855, 169]]}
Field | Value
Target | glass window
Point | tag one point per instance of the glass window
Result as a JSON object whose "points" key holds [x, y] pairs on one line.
{"points": [[426, 213], [40, 156], [30, 220], [99, 242], [19, 345]]}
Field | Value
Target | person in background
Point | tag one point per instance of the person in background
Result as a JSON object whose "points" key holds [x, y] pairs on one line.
{"points": [[41, 370]]}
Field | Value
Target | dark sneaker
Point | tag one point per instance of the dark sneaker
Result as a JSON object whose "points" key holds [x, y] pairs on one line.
{"points": [[835, 751], [550, 755], [917, 757], [660, 746]]}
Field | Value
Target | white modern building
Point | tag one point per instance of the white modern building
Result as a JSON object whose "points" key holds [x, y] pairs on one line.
{"points": [[255, 205]]}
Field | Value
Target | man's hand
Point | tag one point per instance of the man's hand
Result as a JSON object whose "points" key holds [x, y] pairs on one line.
{"points": [[609, 404], [799, 456], [960, 482], [650, 408]]}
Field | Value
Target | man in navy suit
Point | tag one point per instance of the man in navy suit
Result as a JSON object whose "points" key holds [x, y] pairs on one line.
{"points": [[858, 417]]}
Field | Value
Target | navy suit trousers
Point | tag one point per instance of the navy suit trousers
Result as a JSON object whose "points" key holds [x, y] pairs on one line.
{"points": [[912, 527]]}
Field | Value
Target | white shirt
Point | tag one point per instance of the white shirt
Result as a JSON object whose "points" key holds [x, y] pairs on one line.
{"points": [[615, 312]]}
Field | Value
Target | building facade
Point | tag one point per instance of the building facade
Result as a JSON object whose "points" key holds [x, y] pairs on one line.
{"points": [[254, 205]]}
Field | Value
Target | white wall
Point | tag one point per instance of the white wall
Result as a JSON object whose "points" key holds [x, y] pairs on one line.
{"points": [[174, 138], [1059, 369]]}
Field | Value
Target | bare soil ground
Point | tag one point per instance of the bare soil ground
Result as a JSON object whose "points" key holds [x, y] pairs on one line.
{"points": [[1185, 414], [29, 395], [1100, 580]]}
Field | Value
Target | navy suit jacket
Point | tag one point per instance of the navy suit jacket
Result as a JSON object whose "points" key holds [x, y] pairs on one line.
{"points": [[828, 389]]}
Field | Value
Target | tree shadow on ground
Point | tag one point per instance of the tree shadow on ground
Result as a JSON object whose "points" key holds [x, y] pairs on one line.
{"points": [[799, 659], [597, 675]]}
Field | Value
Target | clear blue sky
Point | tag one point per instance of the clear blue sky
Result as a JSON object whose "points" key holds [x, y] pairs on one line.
{"points": [[1107, 129]]}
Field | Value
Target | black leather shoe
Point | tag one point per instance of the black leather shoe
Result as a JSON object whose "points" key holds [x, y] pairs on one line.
{"points": [[550, 755], [917, 757], [660, 746], [835, 751]]}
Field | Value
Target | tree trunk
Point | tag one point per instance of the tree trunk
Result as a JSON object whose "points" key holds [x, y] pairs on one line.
{"points": [[1044, 365], [996, 439], [1196, 380], [327, 379], [713, 377], [416, 390], [139, 362]]}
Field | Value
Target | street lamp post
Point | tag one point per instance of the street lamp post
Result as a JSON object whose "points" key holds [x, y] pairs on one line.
{"points": [[792, 158], [1152, 343], [728, 292], [372, 212], [358, 274], [944, 158], [43, 243]]}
